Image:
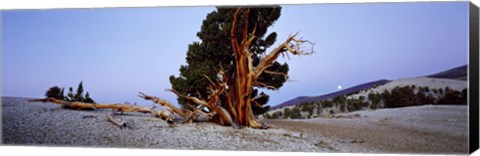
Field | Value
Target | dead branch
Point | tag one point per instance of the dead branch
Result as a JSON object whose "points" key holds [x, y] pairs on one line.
{"points": [[114, 107], [209, 80], [52, 100], [276, 73], [291, 45], [195, 114], [258, 104], [118, 122], [165, 103], [261, 84], [165, 115], [92, 106], [193, 99]]}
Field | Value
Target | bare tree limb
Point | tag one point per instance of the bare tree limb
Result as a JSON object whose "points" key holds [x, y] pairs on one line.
{"points": [[209, 80], [292, 45], [165, 103], [256, 103], [193, 99], [260, 84], [276, 73], [117, 122]]}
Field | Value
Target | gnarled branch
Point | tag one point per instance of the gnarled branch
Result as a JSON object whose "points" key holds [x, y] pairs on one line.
{"points": [[118, 122], [165, 103], [193, 99], [277, 73], [291, 45]]}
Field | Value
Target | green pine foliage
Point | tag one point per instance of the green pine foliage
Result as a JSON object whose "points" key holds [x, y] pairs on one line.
{"points": [[453, 97], [88, 99], [58, 93], [286, 113], [375, 99], [295, 113], [79, 95], [55, 92], [319, 109], [406, 96]]}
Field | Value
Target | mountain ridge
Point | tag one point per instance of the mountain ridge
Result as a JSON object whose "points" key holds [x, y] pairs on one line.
{"points": [[457, 73], [301, 99]]}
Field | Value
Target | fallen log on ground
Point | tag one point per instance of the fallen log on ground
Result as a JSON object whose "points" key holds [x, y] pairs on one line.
{"points": [[118, 122], [121, 108]]}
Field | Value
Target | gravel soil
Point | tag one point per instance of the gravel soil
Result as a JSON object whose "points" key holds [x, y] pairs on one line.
{"points": [[45, 124], [421, 129], [429, 129]]}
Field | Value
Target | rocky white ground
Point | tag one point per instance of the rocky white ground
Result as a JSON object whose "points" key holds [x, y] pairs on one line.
{"points": [[422, 129], [44, 124], [419, 129], [432, 83]]}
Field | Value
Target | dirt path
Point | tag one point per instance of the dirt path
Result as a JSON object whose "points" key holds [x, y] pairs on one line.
{"points": [[423, 129]]}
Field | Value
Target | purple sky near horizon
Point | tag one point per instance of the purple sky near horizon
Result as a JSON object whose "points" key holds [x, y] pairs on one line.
{"points": [[117, 52]]}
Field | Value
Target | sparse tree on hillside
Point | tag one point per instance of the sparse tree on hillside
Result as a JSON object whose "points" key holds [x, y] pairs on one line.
{"points": [[88, 99], [401, 97], [319, 110], [79, 95], [453, 97], [54, 92], [424, 98], [375, 99], [286, 113]]}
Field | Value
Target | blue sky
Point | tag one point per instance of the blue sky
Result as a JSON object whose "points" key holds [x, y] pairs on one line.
{"points": [[117, 52]]}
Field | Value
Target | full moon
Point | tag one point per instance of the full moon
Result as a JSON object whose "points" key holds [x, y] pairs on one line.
{"points": [[339, 87]]}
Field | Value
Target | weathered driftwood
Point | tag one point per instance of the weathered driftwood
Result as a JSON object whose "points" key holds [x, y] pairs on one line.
{"points": [[164, 115], [120, 108], [118, 122], [92, 106]]}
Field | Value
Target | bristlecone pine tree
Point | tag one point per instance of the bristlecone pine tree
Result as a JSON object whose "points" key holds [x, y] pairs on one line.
{"points": [[229, 94], [214, 52]]}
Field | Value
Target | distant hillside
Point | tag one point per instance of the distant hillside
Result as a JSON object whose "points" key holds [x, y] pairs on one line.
{"points": [[302, 99], [459, 73]]}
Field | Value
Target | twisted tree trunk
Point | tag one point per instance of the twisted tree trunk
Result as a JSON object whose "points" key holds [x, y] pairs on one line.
{"points": [[246, 75]]}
